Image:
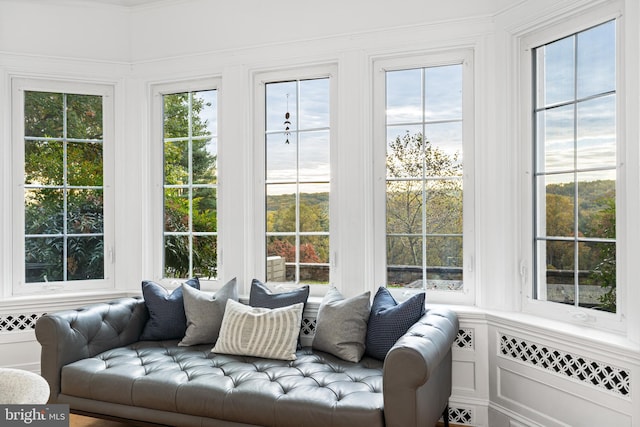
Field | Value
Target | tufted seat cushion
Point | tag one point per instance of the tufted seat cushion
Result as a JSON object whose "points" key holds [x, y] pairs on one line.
{"points": [[192, 380]]}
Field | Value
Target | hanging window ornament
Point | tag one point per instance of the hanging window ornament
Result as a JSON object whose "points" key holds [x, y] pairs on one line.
{"points": [[287, 123]]}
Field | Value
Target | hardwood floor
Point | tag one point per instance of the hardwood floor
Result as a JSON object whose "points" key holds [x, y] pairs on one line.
{"points": [[77, 420], [82, 421]]}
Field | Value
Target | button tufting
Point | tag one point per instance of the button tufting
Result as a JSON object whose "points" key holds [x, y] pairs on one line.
{"points": [[309, 376]]}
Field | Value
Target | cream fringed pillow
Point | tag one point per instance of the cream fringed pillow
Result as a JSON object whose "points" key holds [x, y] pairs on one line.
{"points": [[260, 332]]}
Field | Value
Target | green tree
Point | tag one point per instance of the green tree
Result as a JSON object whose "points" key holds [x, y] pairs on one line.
{"points": [[63, 147], [559, 223], [182, 111], [605, 271], [596, 219], [313, 249]]}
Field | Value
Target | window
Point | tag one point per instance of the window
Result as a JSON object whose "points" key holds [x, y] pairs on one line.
{"points": [[63, 207], [190, 141], [575, 169], [297, 143], [427, 196]]}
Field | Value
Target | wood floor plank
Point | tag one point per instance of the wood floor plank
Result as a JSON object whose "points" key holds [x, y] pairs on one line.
{"points": [[82, 421]]}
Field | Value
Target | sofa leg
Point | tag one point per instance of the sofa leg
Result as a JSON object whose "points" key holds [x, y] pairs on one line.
{"points": [[445, 416]]}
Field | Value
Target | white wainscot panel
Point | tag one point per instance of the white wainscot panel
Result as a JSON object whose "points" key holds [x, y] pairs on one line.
{"points": [[464, 376], [20, 350], [469, 401], [554, 406]]}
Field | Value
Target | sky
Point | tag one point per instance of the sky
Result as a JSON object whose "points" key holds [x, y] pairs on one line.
{"points": [[308, 105], [588, 76], [307, 102], [563, 76]]}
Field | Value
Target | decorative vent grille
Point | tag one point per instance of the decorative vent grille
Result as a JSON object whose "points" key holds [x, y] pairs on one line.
{"points": [[460, 416], [308, 326], [464, 339], [589, 371], [18, 322]]}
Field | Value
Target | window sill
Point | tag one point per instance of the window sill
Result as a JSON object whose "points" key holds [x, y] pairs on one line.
{"points": [[549, 329], [46, 302]]}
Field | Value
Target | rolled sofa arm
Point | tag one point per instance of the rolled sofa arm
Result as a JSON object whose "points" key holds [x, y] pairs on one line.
{"points": [[417, 371], [70, 335]]}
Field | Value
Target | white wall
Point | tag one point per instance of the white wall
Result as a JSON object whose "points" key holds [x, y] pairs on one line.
{"points": [[201, 26], [65, 30], [133, 49]]}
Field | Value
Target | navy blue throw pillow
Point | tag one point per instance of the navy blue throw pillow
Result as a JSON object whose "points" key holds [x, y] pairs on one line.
{"points": [[167, 320], [261, 296], [389, 320]]}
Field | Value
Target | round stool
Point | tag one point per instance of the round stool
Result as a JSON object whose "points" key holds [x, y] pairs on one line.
{"points": [[18, 387]]}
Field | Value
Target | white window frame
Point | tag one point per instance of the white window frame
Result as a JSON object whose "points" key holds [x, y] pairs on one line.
{"points": [[156, 169], [544, 34], [425, 60], [258, 246], [19, 85]]}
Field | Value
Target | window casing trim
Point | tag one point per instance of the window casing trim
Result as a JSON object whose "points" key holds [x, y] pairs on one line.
{"points": [[156, 176], [257, 227], [535, 37], [20, 85], [424, 60]]}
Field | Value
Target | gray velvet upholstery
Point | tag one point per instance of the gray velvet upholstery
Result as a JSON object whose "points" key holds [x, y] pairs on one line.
{"points": [[93, 361]]}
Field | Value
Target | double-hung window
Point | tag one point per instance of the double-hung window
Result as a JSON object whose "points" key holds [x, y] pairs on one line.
{"points": [[297, 177], [63, 207], [575, 138], [425, 105]]}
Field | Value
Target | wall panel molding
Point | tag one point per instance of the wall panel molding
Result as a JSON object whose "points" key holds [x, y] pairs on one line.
{"points": [[578, 367]]}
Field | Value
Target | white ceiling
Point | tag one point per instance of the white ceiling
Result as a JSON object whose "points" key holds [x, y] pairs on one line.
{"points": [[128, 3]]}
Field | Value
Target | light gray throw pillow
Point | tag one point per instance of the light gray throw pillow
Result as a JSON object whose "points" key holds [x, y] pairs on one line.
{"points": [[260, 332], [204, 313], [341, 325]]}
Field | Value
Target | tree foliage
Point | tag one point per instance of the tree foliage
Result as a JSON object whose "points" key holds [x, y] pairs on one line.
{"points": [[424, 197], [597, 218], [190, 204], [63, 180], [313, 217]]}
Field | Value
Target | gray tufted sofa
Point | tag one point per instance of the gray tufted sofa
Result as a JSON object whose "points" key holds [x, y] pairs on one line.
{"points": [[93, 361]]}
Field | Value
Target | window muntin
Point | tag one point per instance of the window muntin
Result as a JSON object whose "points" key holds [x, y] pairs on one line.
{"points": [[575, 140], [297, 180], [64, 213], [190, 187], [424, 177]]}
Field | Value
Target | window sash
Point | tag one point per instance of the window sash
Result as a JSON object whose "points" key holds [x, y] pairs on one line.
{"points": [[294, 130], [464, 58], [206, 268], [20, 88], [262, 128], [155, 265], [524, 103], [567, 106]]}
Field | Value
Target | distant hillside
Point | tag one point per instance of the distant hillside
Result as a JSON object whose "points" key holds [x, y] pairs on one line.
{"points": [[591, 193], [310, 199]]}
